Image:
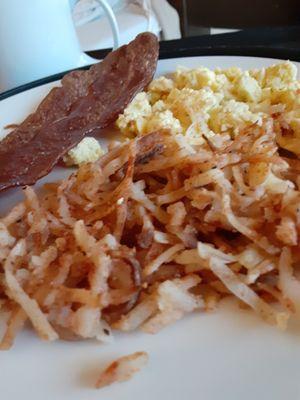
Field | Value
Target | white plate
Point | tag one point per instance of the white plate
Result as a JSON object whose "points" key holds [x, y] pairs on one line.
{"points": [[229, 354]]}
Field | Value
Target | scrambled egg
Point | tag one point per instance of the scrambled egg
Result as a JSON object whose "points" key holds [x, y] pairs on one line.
{"points": [[201, 102], [88, 150]]}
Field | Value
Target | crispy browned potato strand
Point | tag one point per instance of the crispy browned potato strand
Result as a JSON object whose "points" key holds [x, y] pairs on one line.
{"points": [[122, 369], [153, 230]]}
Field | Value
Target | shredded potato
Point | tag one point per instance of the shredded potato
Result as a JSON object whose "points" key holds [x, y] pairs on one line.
{"points": [[123, 369], [155, 229]]}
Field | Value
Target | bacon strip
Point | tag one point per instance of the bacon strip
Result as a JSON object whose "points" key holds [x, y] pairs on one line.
{"points": [[86, 102]]}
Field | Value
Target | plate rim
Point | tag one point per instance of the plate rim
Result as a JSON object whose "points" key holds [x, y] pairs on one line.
{"points": [[55, 77]]}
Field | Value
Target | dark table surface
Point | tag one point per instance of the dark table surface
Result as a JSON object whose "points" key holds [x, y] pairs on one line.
{"points": [[281, 42]]}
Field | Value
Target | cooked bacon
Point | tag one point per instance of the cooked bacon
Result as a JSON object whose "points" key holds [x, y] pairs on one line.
{"points": [[86, 102]]}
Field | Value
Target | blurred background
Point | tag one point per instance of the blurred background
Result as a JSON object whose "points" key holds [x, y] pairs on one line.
{"points": [[133, 17], [174, 19], [38, 39], [216, 16]]}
